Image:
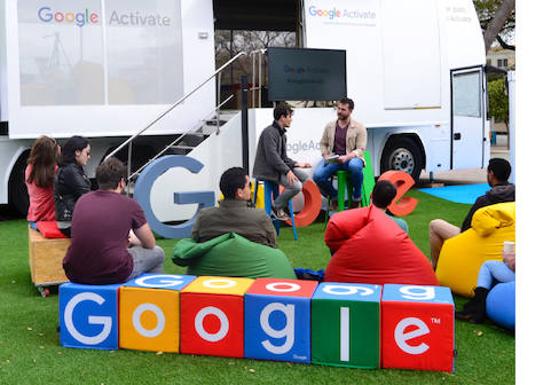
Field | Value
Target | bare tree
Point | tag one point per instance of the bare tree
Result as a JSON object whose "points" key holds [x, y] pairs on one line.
{"points": [[227, 46], [498, 20]]}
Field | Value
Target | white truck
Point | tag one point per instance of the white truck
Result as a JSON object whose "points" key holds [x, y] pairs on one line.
{"points": [[105, 68]]}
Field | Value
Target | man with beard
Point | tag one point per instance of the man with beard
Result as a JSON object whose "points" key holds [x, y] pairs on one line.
{"points": [[342, 145]]}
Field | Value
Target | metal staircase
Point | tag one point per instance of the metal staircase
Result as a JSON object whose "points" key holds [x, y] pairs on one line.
{"points": [[192, 137]]}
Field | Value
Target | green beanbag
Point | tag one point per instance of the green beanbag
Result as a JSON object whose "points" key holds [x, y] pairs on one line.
{"points": [[232, 255]]}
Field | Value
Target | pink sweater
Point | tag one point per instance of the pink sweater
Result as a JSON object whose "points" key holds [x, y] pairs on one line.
{"points": [[41, 201]]}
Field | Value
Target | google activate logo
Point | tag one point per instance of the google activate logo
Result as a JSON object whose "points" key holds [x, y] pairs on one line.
{"points": [[336, 13], [47, 15]]}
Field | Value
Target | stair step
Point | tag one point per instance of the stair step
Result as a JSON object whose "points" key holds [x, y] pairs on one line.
{"points": [[213, 122], [182, 147]]}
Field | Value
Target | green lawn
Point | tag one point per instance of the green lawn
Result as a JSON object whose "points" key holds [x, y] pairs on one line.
{"points": [[30, 353]]}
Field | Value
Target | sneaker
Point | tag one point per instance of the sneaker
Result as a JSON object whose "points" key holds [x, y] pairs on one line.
{"points": [[279, 214]]}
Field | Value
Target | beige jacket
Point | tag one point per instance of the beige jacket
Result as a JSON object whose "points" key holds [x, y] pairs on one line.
{"points": [[355, 141]]}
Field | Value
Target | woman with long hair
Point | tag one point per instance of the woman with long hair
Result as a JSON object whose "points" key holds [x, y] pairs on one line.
{"points": [[70, 181], [39, 179]]}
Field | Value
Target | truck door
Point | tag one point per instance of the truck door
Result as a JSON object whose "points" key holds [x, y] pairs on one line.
{"points": [[467, 118]]}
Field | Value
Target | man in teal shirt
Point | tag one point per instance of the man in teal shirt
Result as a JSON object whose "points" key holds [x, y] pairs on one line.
{"points": [[382, 196]]}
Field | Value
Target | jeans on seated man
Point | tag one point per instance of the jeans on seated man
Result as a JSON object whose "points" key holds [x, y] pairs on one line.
{"points": [[342, 145], [272, 163], [382, 196], [236, 214], [498, 172], [102, 223]]}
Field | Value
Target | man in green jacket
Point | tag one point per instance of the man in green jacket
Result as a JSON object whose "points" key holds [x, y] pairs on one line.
{"points": [[235, 214]]}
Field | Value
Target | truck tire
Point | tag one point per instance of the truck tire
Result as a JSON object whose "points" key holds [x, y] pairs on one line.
{"points": [[402, 154], [18, 198]]}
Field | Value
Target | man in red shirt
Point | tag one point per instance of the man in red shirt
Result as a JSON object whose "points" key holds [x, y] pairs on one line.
{"points": [[100, 252]]}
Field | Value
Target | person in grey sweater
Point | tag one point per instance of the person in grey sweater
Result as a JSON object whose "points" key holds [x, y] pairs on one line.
{"points": [[273, 164]]}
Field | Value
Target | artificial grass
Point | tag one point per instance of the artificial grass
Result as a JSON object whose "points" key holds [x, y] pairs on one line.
{"points": [[30, 352]]}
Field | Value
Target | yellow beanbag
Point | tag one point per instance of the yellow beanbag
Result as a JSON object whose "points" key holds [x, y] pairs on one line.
{"points": [[462, 256]]}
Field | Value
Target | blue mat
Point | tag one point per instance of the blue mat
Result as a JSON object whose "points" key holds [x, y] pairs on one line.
{"points": [[466, 193]]}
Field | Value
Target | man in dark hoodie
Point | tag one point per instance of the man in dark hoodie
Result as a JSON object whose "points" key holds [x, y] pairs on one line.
{"points": [[498, 172]]}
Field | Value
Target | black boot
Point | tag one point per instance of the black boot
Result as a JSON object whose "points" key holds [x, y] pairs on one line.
{"points": [[474, 310]]}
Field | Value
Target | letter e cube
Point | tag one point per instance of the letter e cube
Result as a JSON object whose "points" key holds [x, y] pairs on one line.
{"points": [[417, 327]]}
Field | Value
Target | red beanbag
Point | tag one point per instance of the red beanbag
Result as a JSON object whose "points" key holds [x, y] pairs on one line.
{"points": [[369, 247]]}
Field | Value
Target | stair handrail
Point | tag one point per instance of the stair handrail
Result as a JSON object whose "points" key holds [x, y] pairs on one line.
{"points": [[139, 170], [257, 52], [182, 99]]}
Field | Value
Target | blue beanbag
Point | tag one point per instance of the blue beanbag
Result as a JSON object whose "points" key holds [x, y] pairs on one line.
{"points": [[500, 305]]}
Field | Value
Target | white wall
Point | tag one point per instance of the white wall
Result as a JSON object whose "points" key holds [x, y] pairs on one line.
{"points": [[3, 69], [511, 77]]}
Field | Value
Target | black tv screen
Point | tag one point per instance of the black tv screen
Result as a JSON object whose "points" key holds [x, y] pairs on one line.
{"points": [[306, 74]]}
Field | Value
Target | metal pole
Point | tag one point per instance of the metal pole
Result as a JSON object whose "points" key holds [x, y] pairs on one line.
{"points": [[129, 168], [260, 79], [244, 121], [218, 101]]}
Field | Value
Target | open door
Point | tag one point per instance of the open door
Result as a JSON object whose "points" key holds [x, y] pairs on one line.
{"points": [[468, 111]]}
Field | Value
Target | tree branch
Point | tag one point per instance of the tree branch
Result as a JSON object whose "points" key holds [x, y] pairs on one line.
{"points": [[496, 24], [504, 44]]}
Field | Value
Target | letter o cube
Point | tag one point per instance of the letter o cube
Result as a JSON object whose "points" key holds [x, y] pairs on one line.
{"points": [[149, 312], [212, 316], [88, 316], [346, 325], [417, 327], [277, 320]]}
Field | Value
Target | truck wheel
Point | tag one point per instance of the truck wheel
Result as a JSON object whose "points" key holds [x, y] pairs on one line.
{"points": [[402, 154], [18, 198]]}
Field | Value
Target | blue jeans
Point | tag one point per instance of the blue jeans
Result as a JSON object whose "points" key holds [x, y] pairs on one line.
{"points": [[492, 272], [324, 171]]}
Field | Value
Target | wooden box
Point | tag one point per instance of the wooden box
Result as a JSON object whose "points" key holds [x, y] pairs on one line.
{"points": [[45, 259]]}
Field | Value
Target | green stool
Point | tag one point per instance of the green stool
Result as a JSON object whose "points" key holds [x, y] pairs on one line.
{"points": [[344, 184]]}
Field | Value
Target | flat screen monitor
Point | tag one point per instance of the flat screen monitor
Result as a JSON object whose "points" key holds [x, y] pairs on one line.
{"points": [[306, 74]]}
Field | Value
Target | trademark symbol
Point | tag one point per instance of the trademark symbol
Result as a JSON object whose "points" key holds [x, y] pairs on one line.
{"points": [[436, 321]]}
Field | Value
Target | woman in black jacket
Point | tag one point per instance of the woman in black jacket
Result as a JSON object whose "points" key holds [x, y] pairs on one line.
{"points": [[71, 182]]}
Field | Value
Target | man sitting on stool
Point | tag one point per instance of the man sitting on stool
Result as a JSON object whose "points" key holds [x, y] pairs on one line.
{"points": [[273, 164], [342, 145], [235, 214]]}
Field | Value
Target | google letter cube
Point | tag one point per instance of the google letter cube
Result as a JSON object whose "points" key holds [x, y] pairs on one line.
{"points": [[88, 316], [277, 320], [149, 312], [417, 327], [346, 325], [212, 316]]}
